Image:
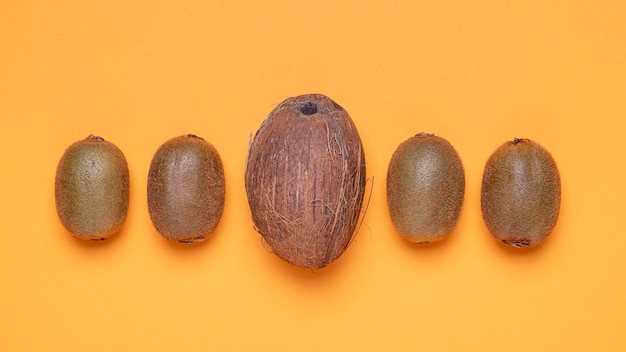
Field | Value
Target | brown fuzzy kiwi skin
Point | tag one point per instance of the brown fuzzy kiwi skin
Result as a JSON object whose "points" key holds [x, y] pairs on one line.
{"points": [[186, 189], [521, 193], [425, 188], [92, 189], [305, 180]]}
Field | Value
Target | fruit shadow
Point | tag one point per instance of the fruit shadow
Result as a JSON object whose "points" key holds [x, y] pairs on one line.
{"points": [[430, 246], [99, 243], [524, 253], [92, 252], [187, 246], [325, 276], [435, 248]]}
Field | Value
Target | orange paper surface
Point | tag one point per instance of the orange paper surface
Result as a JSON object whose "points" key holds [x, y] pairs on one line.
{"points": [[476, 73]]}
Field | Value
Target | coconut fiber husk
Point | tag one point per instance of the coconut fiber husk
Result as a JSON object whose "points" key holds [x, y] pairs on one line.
{"points": [[305, 180]]}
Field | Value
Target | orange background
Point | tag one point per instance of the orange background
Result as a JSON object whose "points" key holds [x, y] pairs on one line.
{"points": [[476, 73]]}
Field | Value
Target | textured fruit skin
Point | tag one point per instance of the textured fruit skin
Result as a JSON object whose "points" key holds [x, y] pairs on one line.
{"points": [[521, 193], [91, 189], [186, 189], [305, 179], [425, 188]]}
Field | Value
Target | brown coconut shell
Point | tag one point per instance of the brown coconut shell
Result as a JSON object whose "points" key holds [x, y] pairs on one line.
{"points": [[305, 180]]}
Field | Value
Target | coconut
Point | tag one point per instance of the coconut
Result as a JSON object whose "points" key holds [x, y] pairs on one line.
{"points": [[305, 180]]}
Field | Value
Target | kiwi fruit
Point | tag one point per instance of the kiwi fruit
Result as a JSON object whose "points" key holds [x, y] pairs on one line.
{"points": [[91, 188], [425, 188], [186, 189], [521, 193], [305, 180]]}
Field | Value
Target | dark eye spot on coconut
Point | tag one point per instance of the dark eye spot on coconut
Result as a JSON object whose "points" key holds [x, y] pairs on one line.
{"points": [[308, 108]]}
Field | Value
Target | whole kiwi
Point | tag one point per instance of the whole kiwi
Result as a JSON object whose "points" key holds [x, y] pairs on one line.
{"points": [[186, 189], [91, 188], [305, 180], [521, 193], [425, 188]]}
